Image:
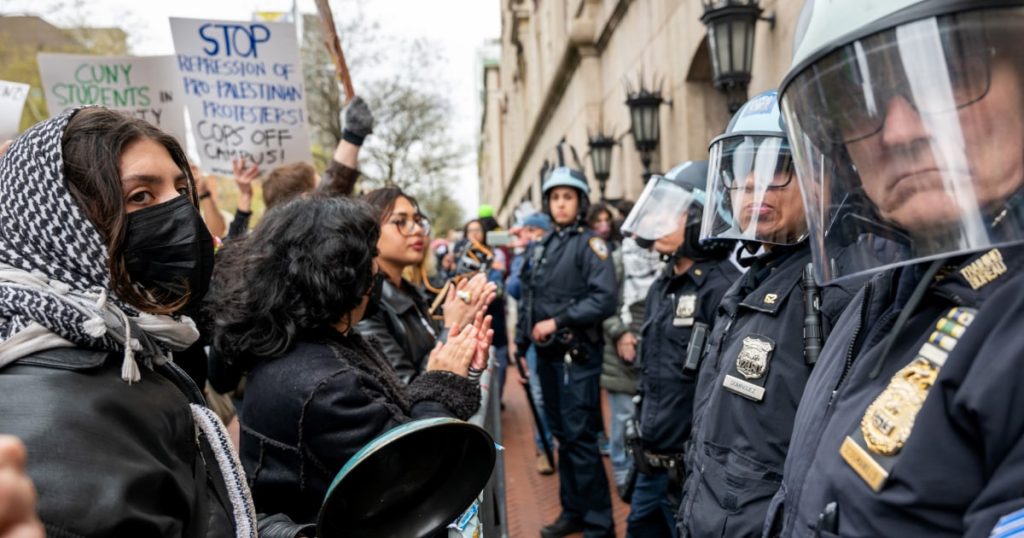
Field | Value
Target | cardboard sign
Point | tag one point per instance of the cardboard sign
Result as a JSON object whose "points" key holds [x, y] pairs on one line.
{"points": [[243, 90], [12, 101], [146, 87]]}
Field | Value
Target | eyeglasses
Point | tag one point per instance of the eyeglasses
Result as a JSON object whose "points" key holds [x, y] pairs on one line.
{"points": [[407, 226], [857, 83], [781, 177]]}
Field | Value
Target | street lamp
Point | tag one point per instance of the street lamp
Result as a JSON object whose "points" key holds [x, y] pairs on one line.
{"points": [[601, 158], [731, 26], [644, 106]]}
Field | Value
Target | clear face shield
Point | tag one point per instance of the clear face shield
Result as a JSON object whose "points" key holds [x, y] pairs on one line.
{"points": [[752, 192], [909, 143], [661, 210]]}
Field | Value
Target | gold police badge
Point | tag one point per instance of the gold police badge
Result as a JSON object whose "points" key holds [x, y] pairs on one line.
{"points": [[874, 446], [752, 362], [887, 424]]}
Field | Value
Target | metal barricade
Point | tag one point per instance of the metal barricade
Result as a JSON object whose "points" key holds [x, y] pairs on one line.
{"points": [[492, 511]]}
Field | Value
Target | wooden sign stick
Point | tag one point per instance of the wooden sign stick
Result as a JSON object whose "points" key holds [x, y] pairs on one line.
{"points": [[334, 49]]}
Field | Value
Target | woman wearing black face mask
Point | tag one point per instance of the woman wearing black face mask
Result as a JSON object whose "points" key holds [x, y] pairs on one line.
{"points": [[285, 302], [95, 207]]}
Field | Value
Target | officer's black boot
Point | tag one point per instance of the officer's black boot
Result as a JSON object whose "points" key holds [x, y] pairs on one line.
{"points": [[563, 526]]}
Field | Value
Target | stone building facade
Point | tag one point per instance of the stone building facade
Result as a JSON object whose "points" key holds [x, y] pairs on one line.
{"points": [[562, 75]]}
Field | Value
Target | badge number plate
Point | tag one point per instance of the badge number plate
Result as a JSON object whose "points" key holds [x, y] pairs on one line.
{"points": [[744, 388]]}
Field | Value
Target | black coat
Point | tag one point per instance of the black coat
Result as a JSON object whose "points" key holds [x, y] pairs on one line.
{"points": [[306, 413], [112, 459], [675, 303], [402, 328], [750, 383], [960, 465]]}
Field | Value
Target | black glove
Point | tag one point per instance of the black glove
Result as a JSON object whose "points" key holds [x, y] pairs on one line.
{"points": [[358, 121]]}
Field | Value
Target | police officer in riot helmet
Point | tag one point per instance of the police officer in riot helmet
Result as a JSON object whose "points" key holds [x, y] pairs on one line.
{"points": [[756, 361], [569, 288], [910, 117], [679, 313]]}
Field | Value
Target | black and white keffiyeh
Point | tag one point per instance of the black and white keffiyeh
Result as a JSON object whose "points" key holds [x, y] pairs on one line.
{"points": [[54, 280]]}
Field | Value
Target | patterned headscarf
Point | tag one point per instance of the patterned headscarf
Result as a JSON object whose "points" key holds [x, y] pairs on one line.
{"points": [[54, 279]]}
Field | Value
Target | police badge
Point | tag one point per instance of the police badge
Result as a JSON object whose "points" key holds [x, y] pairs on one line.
{"points": [[752, 361], [874, 446], [752, 364], [685, 309]]}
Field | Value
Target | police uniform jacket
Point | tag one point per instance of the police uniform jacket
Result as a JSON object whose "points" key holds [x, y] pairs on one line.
{"points": [[675, 303], [751, 381], [932, 448], [570, 279]]}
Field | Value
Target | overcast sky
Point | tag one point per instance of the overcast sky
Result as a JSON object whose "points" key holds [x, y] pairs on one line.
{"points": [[460, 27]]}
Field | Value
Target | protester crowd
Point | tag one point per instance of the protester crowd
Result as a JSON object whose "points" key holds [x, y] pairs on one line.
{"points": [[809, 331]]}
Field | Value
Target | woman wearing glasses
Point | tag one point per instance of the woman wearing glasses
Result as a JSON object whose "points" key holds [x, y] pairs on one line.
{"points": [[756, 361], [403, 326]]}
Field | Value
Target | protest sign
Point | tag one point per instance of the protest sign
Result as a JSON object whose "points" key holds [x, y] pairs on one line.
{"points": [[146, 87], [243, 90], [12, 100]]}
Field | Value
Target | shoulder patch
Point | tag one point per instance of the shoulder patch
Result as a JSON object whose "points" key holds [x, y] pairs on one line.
{"points": [[599, 247], [1009, 525]]}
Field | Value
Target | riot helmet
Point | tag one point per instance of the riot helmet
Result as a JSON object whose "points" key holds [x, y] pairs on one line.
{"points": [[906, 120], [672, 201], [564, 176], [752, 191]]}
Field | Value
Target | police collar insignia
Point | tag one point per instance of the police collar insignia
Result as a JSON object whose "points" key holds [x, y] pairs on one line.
{"points": [[985, 269], [751, 363], [599, 247], [873, 447], [685, 308]]}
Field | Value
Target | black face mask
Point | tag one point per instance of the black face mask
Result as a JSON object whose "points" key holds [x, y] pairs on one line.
{"points": [[375, 294], [169, 251]]}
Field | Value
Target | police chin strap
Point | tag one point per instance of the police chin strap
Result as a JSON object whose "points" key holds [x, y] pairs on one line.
{"points": [[908, 310], [777, 251], [749, 247]]}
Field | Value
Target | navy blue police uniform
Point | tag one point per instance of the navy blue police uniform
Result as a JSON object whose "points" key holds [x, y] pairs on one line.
{"points": [[571, 279], [927, 439], [749, 386], [676, 306]]}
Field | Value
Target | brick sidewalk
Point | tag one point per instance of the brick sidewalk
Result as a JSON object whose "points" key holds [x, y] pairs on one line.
{"points": [[532, 498]]}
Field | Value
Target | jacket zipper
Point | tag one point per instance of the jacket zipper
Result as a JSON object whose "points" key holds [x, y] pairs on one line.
{"points": [[848, 363]]}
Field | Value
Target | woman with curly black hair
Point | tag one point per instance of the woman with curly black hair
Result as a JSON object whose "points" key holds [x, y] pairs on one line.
{"points": [[285, 302]]}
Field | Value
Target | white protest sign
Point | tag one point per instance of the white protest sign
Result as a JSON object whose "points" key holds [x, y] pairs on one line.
{"points": [[244, 93], [146, 87], [12, 100]]}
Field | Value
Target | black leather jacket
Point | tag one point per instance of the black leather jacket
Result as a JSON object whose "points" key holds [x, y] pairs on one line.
{"points": [[112, 459], [403, 329]]}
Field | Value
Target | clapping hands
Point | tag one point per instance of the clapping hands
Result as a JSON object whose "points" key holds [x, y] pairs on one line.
{"points": [[467, 347], [466, 299]]}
